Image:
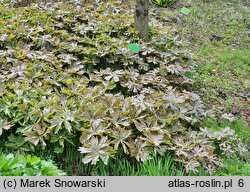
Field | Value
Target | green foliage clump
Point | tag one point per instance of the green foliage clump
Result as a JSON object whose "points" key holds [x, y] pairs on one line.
{"points": [[234, 166], [67, 75], [162, 3], [19, 165]]}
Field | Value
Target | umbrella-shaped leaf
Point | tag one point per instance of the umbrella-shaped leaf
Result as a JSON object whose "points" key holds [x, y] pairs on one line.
{"points": [[96, 128], [4, 125], [37, 134], [139, 150], [96, 149]]}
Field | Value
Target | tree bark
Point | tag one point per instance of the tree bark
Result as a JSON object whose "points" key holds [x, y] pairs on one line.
{"points": [[141, 17]]}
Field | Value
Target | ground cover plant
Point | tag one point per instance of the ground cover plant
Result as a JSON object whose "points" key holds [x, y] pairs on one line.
{"points": [[19, 165], [77, 82]]}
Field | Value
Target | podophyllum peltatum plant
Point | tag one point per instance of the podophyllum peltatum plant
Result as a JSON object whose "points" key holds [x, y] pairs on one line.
{"points": [[67, 73]]}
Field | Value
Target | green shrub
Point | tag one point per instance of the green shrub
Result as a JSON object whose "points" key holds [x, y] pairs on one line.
{"points": [[19, 165]]}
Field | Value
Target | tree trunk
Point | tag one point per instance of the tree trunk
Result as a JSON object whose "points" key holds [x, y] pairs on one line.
{"points": [[141, 17]]}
